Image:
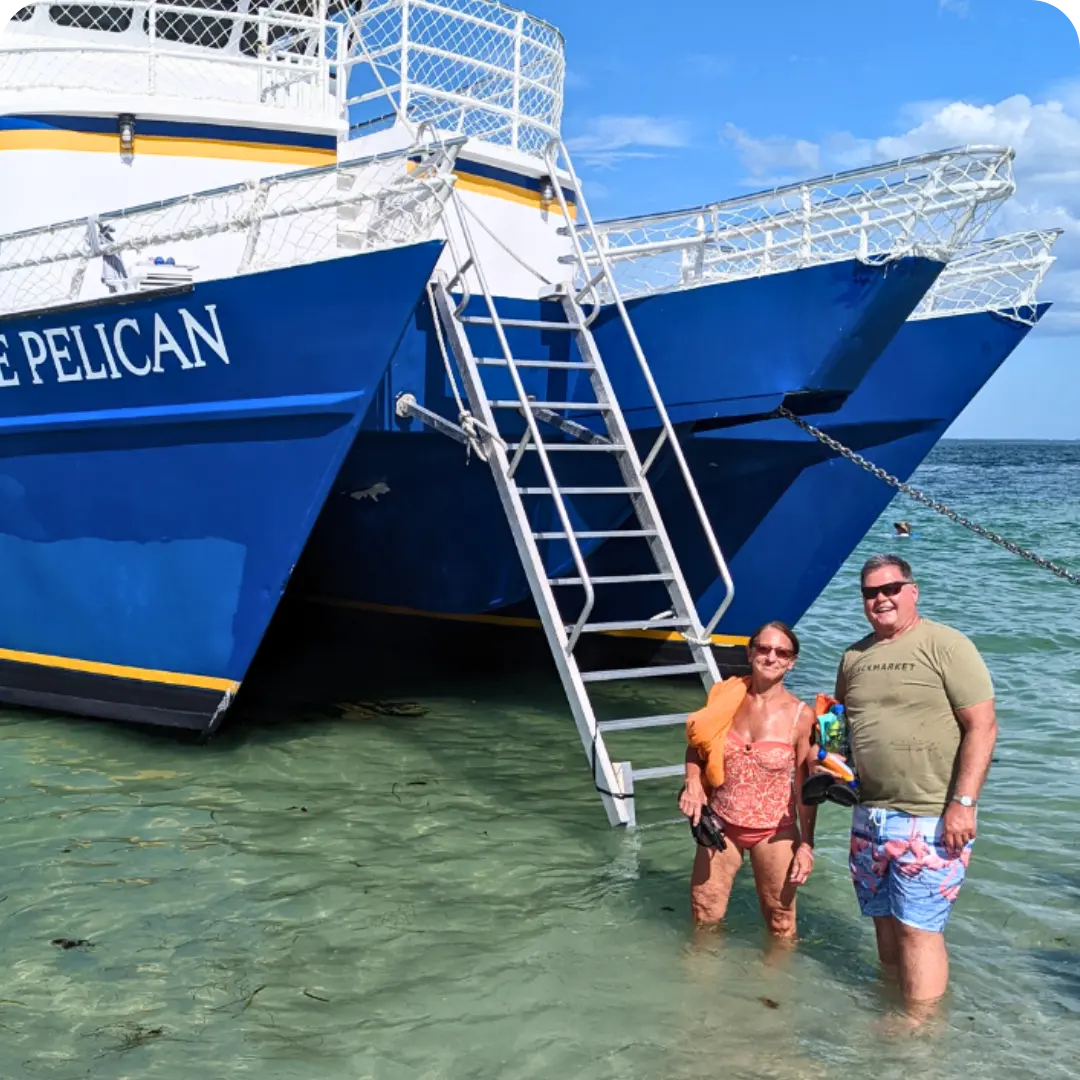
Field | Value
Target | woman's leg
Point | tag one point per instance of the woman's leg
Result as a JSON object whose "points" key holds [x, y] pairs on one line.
{"points": [[711, 880], [771, 862]]}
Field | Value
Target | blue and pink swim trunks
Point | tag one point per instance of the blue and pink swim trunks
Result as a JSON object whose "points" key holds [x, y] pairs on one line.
{"points": [[901, 867]]}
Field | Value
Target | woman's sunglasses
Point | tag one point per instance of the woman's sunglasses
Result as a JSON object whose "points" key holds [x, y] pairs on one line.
{"points": [[890, 589], [764, 650]]}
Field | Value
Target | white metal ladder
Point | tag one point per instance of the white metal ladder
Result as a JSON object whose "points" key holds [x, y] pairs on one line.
{"points": [[547, 433]]}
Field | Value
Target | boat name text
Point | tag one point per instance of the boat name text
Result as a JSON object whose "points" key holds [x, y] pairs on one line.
{"points": [[129, 346]]}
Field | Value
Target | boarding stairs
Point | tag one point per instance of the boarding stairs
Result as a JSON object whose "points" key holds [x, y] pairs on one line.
{"points": [[528, 442]]}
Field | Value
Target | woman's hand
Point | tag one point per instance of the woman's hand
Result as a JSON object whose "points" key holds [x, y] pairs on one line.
{"points": [[802, 864], [691, 800]]}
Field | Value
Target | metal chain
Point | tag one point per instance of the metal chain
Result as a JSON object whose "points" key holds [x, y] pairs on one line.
{"points": [[926, 500]]}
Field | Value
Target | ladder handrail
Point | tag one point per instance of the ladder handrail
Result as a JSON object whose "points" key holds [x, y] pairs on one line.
{"points": [[530, 421], [556, 148]]}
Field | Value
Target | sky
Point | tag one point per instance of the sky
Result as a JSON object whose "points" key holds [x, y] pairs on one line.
{"points": [[676, 104]]}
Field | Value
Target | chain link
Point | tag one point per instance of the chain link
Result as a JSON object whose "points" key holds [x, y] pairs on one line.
{"points": [[926, 500]]}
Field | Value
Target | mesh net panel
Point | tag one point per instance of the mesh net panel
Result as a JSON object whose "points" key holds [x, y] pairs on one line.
{"points": [[274, 55], [1002, 275], [930, 205], [469, 67], [364, 205]]}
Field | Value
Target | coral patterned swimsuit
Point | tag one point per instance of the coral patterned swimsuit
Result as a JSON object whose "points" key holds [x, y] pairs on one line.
{"points": [[758, 792]]}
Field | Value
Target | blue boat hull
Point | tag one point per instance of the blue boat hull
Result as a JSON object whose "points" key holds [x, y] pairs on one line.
{"points": [[787, 510], [163, 458], [821, 506], [416, 526]]}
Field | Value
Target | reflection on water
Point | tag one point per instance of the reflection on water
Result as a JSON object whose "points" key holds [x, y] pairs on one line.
{"points": [[437, 894]]}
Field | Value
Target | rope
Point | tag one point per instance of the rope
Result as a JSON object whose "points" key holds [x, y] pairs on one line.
{"points": [[509, 251], [913, 492], [469, 423]]}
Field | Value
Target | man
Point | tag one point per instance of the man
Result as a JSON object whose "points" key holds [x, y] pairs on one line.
{"points": [[921, 708]]}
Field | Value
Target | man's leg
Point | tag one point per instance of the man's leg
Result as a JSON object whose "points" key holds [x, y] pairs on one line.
{"points": [[887, 947], [926, 878], [924, 964]]}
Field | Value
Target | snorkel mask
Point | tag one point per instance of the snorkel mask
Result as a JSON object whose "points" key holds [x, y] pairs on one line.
{"points": [[709, 831]]}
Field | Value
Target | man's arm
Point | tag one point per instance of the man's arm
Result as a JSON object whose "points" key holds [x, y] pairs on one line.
{"points": [[979, 724]]}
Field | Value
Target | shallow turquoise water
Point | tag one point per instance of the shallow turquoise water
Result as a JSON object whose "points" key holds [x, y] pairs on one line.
{"points": [[438, 896]]}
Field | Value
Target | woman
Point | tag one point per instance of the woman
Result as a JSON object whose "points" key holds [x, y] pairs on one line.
{"points": [[759, 763]]}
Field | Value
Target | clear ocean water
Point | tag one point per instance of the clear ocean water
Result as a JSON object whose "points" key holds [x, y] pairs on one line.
{"points": [[437, 896]]}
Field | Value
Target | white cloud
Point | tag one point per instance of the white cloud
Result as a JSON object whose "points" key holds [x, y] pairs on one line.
{"points": [[1045, 135], [608, 140], [955, 7], [770, 159]]}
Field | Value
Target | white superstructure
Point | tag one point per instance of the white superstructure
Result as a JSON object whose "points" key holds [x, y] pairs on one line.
{"points": [[125, 102]]}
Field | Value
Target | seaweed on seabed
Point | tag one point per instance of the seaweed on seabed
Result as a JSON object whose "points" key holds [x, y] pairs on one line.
{"points": [[130, 1036]]}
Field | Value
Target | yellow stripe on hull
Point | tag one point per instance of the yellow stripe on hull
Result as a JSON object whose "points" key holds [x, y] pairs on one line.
{"points": [[166, 146], [486, 185], [504, 620], [119, 671]]}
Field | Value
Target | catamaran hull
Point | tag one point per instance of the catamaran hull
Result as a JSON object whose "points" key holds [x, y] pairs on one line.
{"points": [[922, 382], [788, 511], [163, 459]]}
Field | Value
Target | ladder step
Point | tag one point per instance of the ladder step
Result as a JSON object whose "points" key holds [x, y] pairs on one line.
{"points": [[613, 579], [642, 624], [605, 447], [572, 365], [526, 324], [670, 720], [658, 772], [597, 534], [612, 674], [581, 491], [556, 406]]}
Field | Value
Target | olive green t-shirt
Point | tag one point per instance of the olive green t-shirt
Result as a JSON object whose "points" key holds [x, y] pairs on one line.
{"points": [[900, 697]]}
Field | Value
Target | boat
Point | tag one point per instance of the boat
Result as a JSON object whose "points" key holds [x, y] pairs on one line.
{"points": [[978, 313], [803, 507], [177, 399], [514, 338]]}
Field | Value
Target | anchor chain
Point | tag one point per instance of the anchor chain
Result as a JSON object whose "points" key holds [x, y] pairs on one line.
{"points": [[926, 500]]}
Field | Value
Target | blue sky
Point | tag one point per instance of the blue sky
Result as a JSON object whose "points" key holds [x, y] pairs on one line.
{"points": [[675, 104]]}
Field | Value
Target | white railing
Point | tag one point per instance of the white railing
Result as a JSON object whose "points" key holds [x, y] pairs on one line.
{"points": [[270, 57], [468, 67], [932, 205], [300, 217], [1001, 275]]}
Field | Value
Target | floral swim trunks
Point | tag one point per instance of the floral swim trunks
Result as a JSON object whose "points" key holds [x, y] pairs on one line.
{"points": [[901, 867]]}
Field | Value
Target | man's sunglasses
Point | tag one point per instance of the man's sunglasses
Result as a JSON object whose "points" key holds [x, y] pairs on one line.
{"points": [[764, 650], [890, 589]]}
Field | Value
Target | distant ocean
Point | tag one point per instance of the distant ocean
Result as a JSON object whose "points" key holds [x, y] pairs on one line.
{"points": [[437, 896]]}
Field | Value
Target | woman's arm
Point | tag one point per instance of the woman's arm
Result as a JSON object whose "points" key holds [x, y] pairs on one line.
{"points": [[804, 856], [693, 797]]}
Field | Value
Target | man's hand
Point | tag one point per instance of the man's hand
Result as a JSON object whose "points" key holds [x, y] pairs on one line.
{"points": [[802, 864], [958, 827], [816, 768], [692, 800]]}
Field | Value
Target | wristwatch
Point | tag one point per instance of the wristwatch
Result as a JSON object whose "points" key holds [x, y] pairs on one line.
{"points": [[964, 800]]}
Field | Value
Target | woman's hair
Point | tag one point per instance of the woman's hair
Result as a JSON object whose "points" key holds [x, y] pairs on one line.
{"points": [[784, 629]]}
